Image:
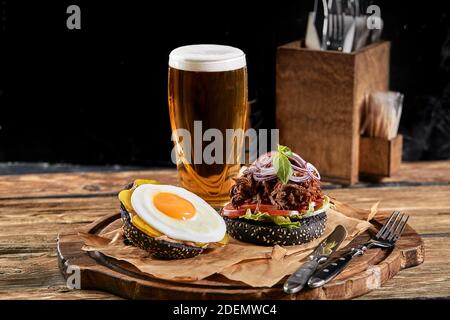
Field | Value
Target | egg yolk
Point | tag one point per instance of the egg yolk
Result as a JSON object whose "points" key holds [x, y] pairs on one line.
{"points": [[174, 206]]}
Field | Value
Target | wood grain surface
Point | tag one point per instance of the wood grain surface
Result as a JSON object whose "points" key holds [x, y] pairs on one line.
{"points": [[308, 83], [380, 157], [35, 208]]}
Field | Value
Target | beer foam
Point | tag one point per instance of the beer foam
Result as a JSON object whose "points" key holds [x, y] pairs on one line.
{"points": [[207, 58]]}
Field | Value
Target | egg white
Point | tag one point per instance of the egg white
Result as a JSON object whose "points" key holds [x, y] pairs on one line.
{"points": [[206, 225]]}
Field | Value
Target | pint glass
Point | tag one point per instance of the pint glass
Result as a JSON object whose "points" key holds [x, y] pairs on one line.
{"points": [[207, 106]]}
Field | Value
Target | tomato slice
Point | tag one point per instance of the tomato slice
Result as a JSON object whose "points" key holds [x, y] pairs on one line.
{"points": [[231, 212], [319, 204]]}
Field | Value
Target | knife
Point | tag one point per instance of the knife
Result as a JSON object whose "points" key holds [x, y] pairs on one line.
{"points": [[299, 278], [325, 31]]}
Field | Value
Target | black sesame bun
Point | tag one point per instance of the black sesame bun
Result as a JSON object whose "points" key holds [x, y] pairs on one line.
{"points": [[268, 234], [158, 248]]}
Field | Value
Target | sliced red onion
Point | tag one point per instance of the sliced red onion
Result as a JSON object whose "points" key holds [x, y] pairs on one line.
{"points": [[300, 179], [300, 162], [313, 171], [262, 169]]}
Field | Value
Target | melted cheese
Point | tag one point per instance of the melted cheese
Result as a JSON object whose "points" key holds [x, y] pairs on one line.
{"points": [[224, 241], [125, 199], [144, 227]]}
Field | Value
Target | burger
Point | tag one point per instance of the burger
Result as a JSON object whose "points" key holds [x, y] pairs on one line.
{"points": [[277, 200], [169, 222]]}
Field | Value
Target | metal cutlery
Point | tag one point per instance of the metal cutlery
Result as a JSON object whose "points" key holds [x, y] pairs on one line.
{"points": [[300, 278], [386, 237], [350, 20], [324, 44], [335, 38], [343, 24]]}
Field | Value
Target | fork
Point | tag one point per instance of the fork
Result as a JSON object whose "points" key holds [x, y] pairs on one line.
{"points": [[386, 237]]}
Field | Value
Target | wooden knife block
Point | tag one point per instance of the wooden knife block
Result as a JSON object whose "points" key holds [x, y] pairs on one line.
{"points": [[319, 96]]}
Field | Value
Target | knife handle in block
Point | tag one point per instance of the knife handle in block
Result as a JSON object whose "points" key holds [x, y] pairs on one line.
{"points": [[300, 278], [332, 269]]}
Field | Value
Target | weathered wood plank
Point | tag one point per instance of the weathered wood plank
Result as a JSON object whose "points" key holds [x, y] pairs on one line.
{"points": [[37, 276], [55, 293], [94, 183], [78, 183], [29, 225], [429, 208], [422, 172], [400, 198]]}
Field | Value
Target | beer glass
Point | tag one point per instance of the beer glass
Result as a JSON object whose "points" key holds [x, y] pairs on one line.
{"points": [[207, 106]]}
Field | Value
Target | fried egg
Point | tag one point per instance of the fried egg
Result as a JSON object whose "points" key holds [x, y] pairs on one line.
{"points": [[178, 213]]}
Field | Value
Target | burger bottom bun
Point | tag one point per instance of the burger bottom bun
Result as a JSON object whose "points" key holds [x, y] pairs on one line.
{"points": [[268, 234], [158, 248]]}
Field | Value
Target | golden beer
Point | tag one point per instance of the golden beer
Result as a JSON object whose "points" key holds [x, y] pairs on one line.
{"points": [[207, 87]]}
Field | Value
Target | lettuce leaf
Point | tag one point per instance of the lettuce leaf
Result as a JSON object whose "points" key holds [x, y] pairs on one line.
{"points": [[311, 211], [265, 217], [293, 221]]}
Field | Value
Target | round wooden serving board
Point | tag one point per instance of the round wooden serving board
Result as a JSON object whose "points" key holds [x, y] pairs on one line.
{"points": [[102, 273]]}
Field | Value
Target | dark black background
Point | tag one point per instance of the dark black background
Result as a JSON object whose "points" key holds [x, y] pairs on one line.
{"points": [[99, 95]]}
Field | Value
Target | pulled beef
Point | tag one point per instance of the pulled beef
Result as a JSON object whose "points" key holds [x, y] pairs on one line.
{"points": [[289, 196], [297, 196], [242, 191]]}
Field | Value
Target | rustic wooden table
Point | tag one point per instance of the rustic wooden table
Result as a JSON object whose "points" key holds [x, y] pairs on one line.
{"points": [[34, 208]]}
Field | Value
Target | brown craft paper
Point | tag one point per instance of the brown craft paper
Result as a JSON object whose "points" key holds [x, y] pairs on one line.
{"points": [[257, 266]]}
